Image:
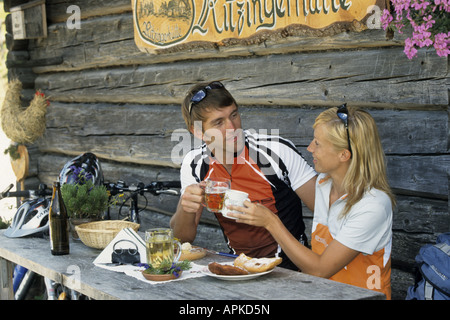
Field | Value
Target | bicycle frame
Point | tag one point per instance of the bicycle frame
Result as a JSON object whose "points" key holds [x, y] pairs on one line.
{"points": [[23, 278], [155, 188]]}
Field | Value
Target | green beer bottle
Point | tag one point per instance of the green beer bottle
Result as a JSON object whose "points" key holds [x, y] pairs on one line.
{"points": [[59, 223]]}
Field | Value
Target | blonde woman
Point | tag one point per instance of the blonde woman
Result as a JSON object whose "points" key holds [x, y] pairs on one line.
{"points": [[352, 226]]}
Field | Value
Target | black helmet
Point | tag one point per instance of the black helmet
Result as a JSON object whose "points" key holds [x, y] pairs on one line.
{"points": [[82, 168], [30, 219]]}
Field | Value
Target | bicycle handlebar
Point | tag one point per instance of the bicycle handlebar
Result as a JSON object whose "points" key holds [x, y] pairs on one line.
{"points": [[41, 192], [155, 188]]}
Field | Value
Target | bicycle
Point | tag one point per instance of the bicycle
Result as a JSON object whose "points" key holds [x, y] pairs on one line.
{"points": [[23, 278], [155, 188], [42, 191]]}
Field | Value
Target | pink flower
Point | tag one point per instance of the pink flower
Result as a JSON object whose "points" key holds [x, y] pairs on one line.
{"points": [[386, 19], [426, 17], [420, 4], [409, 50], [444, 4], [442, 44], [401, 5], [429, 21]]}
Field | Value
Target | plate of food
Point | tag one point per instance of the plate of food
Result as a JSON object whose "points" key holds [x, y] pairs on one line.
{"points": [[191, 253], [242, 268]]}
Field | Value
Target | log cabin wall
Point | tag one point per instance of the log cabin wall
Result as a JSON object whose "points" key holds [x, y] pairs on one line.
{"points": [[109, 98]]}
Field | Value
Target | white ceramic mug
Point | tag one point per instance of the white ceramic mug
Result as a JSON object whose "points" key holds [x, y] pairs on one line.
{"points": [[233, 198]]}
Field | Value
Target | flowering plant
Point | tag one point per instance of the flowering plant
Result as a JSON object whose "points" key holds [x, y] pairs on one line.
{"points": [[168, 267], [430, 22]]}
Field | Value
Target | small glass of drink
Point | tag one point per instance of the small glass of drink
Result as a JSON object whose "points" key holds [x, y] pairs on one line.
{"points": [[215, 193]]}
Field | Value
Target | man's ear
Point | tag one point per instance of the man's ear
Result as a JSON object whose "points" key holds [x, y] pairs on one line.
{"points": [[197, 132]]}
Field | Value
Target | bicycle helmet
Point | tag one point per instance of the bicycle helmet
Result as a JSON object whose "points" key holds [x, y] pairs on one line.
{"points": [[30, 219], [86, 165]]}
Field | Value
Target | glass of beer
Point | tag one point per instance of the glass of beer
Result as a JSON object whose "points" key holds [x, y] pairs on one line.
{"points": [[160, 246], [215, 193]]}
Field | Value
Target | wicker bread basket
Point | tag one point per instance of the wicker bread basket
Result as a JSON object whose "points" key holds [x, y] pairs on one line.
{"points": [[100, 233]]}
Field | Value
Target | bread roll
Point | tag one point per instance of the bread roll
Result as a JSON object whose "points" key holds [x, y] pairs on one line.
{"points": [[255, 265], [191, 253]]}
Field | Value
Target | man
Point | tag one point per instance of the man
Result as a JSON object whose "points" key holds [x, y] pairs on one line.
{"points": [[268, 168]]}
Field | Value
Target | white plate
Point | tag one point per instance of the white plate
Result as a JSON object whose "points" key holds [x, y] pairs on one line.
{"points": [[249, 276]]}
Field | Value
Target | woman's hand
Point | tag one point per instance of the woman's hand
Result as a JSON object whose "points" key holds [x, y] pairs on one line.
{"points": [[254, 214]]}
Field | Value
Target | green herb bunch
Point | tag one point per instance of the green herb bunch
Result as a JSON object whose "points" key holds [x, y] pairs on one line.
{"points": [[85, 200], [168, 267]]}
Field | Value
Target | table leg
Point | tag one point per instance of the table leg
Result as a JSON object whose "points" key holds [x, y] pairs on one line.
{"points": [[6, 280]]}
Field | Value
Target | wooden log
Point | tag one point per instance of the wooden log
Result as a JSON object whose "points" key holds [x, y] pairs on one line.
{"points": [[24, 75], [57, 9], [417, 221], [419, 175], [51, 164], [89, 55], [107, 40], [110, 119], [402, 132], [400, 281], [406, 247], [295, 80], [414, 215]]}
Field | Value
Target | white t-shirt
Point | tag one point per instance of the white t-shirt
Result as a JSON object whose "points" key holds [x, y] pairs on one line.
{"points": [[366, 228]]}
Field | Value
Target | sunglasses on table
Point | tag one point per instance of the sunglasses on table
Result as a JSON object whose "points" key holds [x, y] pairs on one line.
{"points": [[201, 94], [342, 113]]}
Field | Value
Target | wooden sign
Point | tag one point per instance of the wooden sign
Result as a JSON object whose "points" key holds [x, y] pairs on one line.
{"points": [[164, 23], [29, 20]]}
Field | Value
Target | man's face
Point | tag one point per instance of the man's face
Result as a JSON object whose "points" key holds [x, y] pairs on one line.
{"points": [[222, 131]]}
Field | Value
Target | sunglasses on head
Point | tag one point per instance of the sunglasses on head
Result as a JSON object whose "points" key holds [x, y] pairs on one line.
{"points": [[342, 113], [201, 94]]}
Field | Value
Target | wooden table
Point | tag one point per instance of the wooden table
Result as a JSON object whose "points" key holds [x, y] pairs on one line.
{"points": [[77, 271]]}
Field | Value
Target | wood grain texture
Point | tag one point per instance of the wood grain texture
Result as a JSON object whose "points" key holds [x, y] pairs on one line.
{"points": [[295, 80]]}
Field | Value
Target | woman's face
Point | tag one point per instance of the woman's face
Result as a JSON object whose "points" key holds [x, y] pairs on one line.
{"points": [[325, 157]]}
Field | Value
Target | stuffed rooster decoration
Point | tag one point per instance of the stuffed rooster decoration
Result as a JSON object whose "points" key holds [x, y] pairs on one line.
{"points": [[23, 125]]}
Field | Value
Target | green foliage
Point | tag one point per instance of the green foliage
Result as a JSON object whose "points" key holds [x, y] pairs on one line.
{"points": [[168, 267], [4, 224], [85, 200], [12, 151]]}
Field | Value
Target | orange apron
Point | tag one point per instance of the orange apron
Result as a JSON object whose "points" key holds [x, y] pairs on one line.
{"points": [[366, 271]]}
